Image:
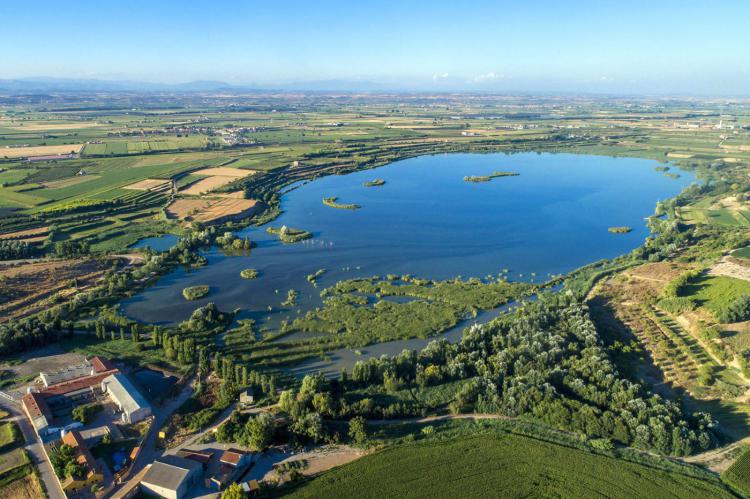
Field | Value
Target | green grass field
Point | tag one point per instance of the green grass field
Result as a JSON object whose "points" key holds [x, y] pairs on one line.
{"points": [[716, 292], [500, 466], [738, 475], [10, 435]]}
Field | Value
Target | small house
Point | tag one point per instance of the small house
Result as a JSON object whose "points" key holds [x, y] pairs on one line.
{"points": [[247, 397]]}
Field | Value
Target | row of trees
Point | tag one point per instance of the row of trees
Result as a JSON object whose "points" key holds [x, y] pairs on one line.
{"points": [[11, 249]]}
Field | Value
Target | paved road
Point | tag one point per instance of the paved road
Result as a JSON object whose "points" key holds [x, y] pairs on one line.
{"points": [[190, 441], [35, 450], [223, 417], [149, 452]]}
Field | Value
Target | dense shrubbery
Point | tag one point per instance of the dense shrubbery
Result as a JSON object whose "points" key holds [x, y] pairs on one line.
{"points": [[22, 335], [205, 318], [230, 242], [84, 412], [12, 250], [677, 305], [545, 362], [737, 310], [195, 292]]}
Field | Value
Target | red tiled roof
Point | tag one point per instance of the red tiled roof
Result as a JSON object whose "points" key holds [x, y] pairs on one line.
{"points": [[77, 384], [36, 405], [101, 364], [196, 455], [83, 454], [232, 456]]}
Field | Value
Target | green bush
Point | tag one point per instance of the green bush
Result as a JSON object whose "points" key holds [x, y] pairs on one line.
{"points": [[677, 305], [738, 310], [195, 292], [84, 413]]}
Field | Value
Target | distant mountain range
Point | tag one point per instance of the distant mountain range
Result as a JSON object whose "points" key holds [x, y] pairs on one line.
{"points": [[71, 85]]}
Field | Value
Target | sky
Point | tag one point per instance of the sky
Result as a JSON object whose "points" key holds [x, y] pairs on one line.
{"points": [[605, 46]]}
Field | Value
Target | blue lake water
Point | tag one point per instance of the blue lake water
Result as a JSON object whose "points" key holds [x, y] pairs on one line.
{"points": [[427, 221], [160, 243]]}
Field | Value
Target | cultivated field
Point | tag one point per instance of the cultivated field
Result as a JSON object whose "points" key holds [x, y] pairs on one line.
{"points": [[210, 210], [31, 151], [150, 184], [215, 178], [507, 466]]}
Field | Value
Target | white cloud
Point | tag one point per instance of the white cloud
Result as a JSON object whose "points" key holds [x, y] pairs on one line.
{"points": [[491, 76], [439, 76]]}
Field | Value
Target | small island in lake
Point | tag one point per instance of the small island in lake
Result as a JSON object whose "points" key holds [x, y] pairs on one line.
{"points": [[487, 178], [289, 234], [249, 274], [375, 183], [331, 201], [195, 292], [624, 229]]}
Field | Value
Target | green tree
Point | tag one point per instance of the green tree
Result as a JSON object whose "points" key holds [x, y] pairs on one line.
{"points": [[234, 491], [357, 430], [259, 431]]}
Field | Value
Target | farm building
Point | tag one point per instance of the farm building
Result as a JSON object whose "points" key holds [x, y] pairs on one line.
{"points": [[171, 477], [37, 411], [232, 465], [64, 389], [129, 400], [92, 473], [201, 456], [90, 367]]}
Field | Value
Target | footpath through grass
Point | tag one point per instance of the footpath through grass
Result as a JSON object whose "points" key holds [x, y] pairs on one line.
{"points": [[500, 466]]}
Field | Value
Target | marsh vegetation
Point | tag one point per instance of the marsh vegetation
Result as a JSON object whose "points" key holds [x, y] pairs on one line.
{"points": [[333, 203]]}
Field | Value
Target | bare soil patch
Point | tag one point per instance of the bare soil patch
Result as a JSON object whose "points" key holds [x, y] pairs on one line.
{"points": [[25, 152], [33, 127], [318, 460], [31, 287], [224, 171], [27, 487], [48, 359], [29, 235], [730, 203], [210, 210], [215, 178], [730, 267], [150, 184]]}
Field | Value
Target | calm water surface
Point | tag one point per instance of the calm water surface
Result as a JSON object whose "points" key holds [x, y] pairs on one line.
{"points": [[427, 221]]}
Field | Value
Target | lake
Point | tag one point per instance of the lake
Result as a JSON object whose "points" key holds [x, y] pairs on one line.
{"points": [[427, 221]]}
